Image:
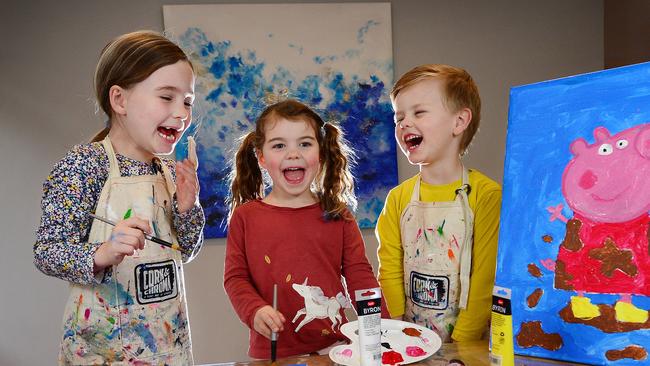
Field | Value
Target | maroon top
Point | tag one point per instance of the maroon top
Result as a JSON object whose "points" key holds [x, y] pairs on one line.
{"points": [[270, 245]]}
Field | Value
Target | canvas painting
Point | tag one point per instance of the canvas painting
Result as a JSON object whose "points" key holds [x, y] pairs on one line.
{"points": [[573, 244], [336, 58]]}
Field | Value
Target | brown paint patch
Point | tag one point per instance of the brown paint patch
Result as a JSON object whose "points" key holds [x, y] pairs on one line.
{"points": [[572, 240], [411, 332], [634, 352], [613, 259], [533, 299], [562, 278], [606, 321], [534, 270], [547, 239], [325, 332], [532, 334]]}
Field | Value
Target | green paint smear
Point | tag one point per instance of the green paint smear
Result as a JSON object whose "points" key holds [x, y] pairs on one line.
{"points": [[440, 228], [111, 320], [127, 214], [450, 328]]}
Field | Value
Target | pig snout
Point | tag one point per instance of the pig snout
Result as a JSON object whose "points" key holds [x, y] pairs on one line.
{"points": [[587, 180]]}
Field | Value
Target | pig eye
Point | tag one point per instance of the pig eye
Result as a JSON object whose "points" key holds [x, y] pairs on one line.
{"points": [[605, 149], [621, 144]]}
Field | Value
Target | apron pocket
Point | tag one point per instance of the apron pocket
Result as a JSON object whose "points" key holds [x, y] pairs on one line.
{"points": [[433, 291], [154, 322]]}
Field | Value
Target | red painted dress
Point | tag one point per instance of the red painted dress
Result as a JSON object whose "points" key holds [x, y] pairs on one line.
{"points": [[605, 257]]}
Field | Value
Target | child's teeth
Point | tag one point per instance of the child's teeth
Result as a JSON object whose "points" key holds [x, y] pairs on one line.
{"points": [[167, 137]]}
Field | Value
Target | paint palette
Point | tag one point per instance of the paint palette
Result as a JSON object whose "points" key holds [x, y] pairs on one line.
{"points": [[408, 341]]}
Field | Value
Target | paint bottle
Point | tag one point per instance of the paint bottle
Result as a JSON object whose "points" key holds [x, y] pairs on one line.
{"points": [[501, 344], [369, 320]]}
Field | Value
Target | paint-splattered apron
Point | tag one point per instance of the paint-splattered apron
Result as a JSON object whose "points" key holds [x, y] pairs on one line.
{"points": [[140, 317], [437, 241]]}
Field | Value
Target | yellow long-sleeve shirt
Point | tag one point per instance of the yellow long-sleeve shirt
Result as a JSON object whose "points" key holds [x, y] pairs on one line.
{"points": [[485, 202]]}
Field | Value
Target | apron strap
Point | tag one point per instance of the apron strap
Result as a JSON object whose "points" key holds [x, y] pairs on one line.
{"points": [[415, 195], [167, 174], [468, 241], [114, 168]]}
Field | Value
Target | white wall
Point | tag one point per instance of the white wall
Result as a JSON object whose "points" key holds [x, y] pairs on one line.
{"points": [[47, 55]]}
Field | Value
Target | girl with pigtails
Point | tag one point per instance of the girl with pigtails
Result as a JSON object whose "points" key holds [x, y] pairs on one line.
{"points": [[300, 237]]}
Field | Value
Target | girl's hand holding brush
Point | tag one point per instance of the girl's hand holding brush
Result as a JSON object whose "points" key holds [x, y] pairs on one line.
{"points": [[126, 237]]}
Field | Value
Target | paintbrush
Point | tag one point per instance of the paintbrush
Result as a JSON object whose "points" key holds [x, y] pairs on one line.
{"points": [[146, 236], [274, 335]]}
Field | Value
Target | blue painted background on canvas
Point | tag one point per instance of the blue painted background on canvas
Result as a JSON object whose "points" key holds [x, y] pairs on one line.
{"points": [[544, 119], [233, 86]]}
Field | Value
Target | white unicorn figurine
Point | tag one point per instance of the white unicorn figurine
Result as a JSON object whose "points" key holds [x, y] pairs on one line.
{"points": [[319, 306]]}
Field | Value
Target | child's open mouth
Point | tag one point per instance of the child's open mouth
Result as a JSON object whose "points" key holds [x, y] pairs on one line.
{"points": [[294, 175], [167, 133], [412, 141]]}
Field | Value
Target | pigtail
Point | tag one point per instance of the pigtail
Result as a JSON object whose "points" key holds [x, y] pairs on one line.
{"points": [[246, 183], [337, 185]]}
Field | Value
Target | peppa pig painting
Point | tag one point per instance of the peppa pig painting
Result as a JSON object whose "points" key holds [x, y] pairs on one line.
{"points": [[574, 242]]}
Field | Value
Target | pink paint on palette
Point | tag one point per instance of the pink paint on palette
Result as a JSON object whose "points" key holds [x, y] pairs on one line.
{"points": [[415, 351], [412, 342], [347, 353]]}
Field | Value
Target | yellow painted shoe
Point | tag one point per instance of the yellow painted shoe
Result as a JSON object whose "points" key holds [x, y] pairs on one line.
{"points": [[628, 313], [583, 308]]}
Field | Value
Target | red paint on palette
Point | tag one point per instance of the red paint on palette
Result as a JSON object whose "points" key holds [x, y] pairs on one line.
{"points": [[87, 314], [391, 358]]}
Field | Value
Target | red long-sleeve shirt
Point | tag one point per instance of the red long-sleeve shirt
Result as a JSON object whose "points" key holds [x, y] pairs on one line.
{"points": [[270, 245]]}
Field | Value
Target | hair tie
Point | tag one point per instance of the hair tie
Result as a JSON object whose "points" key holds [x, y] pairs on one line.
{"points": [[323, 130]]}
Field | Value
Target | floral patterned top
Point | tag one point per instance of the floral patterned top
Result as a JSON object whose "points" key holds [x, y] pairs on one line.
{"points": [[70, 192]]}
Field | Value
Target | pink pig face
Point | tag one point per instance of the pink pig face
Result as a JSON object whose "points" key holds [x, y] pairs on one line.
{"points": [[609, 181]]}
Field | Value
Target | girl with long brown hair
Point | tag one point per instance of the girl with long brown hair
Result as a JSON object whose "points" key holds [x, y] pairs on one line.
{"points": [[127, 303]]}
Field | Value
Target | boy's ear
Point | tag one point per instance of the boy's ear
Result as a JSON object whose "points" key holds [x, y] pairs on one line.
{"points": [[117, 97], [463, 119]]}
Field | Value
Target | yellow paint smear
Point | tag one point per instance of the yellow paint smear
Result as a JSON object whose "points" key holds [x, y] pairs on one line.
{"points": [[583, 308], [628, 313]]}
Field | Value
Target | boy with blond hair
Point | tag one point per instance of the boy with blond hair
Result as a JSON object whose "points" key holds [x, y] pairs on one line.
{"points": [[438, 230]]}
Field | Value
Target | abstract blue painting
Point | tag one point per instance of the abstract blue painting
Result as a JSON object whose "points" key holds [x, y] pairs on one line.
{"points": [[336, 58], [573, 242]]}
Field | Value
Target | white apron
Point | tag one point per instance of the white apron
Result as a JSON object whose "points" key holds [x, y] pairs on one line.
{"points": [[140, 316], [437, 241]]}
